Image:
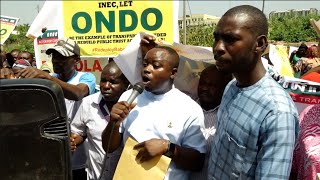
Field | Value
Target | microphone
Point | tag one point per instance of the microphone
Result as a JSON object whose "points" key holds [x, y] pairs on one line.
{"points": [[137, 89]]}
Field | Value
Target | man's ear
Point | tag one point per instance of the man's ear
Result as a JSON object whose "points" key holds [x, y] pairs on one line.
{"points": [[262, 44], [174, 73], [77, 59]]}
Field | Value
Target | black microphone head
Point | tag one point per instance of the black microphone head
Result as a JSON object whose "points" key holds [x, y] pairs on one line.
{"points": [[138, 87]]}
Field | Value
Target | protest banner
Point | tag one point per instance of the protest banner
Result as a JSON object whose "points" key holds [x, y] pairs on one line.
{"points": [[279, 57], [105, 28], [302, 92], [49, 17], [93, 65], [316, 26], [193, 60], [7, 26], [42, 43]]}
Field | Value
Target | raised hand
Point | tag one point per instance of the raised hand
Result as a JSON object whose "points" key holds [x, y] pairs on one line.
{"points": [[147, 42]]}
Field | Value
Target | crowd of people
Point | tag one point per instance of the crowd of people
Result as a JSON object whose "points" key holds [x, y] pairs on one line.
{"points": [[243, 125], [305, 62]]}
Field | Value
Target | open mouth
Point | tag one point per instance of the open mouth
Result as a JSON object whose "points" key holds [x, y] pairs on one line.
{"points": [[145, 79]]}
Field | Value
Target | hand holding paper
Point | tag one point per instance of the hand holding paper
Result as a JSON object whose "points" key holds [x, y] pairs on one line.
{"points": [[151, 148], [147, 42], [129, 168]]}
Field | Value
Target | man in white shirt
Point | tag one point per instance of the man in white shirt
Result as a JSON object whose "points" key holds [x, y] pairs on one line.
{"points": [[210, 90], [164, 121], [93, 116]]}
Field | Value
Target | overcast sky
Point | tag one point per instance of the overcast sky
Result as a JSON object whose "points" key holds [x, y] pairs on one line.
{"points": [[27, 10]]}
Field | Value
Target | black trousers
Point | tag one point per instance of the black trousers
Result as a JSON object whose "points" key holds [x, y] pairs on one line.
{"points": [[79, 174]]}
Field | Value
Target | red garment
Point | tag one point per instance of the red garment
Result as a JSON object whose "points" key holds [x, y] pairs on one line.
{"points": [[306, 156], [313, 76]]}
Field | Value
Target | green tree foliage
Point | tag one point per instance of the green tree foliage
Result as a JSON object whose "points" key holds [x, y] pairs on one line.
{"points": [[201, 35], [287, 29], [19, 40], [292, 29]]}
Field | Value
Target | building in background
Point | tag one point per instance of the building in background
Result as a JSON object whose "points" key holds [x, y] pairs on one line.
{"points": [[199, 19], [294, 13]]}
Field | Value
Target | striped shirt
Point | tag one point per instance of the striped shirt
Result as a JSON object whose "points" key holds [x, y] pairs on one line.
{"points": [[210, 118], [256, 132]]}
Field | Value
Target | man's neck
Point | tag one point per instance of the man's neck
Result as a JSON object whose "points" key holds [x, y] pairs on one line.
{"points": [[67, 76], [245, 79], [164, 89], [208, 107]]}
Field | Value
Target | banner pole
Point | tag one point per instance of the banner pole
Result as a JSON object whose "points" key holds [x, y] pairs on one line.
{"points": [[184, 23]]}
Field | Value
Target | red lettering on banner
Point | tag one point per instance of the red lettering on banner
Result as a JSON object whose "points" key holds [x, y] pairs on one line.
{"points": [[304, 98], [96, 65], [86, 68], [79, 66]]}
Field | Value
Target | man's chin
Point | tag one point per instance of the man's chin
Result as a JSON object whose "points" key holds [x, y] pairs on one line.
{"points": [[57, 71], [108, 97], [224, 69], [148, 88]]}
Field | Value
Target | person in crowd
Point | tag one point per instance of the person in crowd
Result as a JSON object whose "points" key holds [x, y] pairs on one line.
{"points": [[3, 59], [18, 65], [312, 75], [15, 53], [75, 85], [311, 60], [295, 56], [34, 63], [93, 116], [306, 155], [257, 121], [26, 55], [164, 120], [5, 69], [210, 90]]}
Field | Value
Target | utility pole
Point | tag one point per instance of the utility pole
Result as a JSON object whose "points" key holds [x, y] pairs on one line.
{"points": [[184, 23], [263, 6], [38, 8]]}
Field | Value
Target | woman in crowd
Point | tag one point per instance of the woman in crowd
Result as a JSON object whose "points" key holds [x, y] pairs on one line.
{"points": [[311, 60]]}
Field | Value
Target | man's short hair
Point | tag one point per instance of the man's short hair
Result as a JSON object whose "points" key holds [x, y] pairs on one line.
{"points": [[173, 53], [258, 21]]}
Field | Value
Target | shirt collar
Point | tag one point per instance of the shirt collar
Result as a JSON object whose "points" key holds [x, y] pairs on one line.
{"points": [[97, 99], [211, 110]]}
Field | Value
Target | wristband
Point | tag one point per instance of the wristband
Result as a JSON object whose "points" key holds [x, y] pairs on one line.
{"points": [[170, 151]]}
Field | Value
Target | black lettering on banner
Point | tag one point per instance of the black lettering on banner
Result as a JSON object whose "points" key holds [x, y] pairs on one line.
{"points": [[114, 4]]}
